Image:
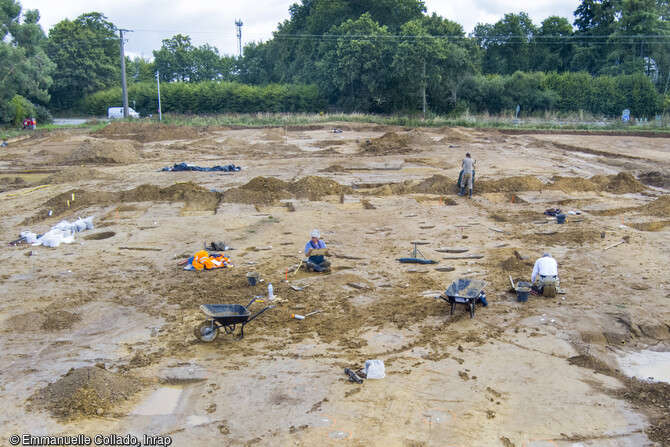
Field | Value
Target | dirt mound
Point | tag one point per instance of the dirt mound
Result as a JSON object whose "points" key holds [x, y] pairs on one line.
{"points": [[264, 191], [455, 135], [234, 142], [74, 174], [11, 183], [314, 188], [143, 193], [103, 152], [63, 203], [510, 184], [659, 207], [389, 143], [624, 183], [195, 197], [85, 392], [146, 132], [655, 178], [572, 184], [419, 138], [600, 180], [275, 134], [259, 191], [335, 168], [388, 189], [437, 184], [514, 264]]}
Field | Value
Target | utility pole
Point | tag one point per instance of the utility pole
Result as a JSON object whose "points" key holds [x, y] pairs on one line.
{"points": [[158, 81], [423, 82], [238, 25], [123, 76]]}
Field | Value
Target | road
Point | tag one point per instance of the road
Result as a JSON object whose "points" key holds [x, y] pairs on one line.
{"points": [[69, 121]]}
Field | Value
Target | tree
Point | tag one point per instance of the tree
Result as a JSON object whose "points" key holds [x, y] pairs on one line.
{"points": [[507, 44], [86, 51], [595, 21], [140, 70], [639, 42], [431, 58], [553, 47], [358, 62], [174, 61], [179, 60], [25, 69]]}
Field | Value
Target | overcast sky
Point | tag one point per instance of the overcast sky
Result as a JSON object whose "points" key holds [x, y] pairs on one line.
{"points": [[213, 22]]}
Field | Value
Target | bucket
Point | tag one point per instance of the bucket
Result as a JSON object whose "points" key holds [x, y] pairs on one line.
{"points": [[560, 218], [522, 293], [252, 277]]}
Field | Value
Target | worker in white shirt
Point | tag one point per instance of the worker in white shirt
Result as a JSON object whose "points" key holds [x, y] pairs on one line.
{"points": [[545, 271]]}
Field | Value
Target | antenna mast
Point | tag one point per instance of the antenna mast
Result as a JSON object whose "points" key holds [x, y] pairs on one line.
{"points": [[238, 25]]}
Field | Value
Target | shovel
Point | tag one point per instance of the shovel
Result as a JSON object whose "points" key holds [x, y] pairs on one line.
{"points": [[622, 241]]}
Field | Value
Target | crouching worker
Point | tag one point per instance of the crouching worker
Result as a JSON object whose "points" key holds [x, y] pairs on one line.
{"points": [[316, 251], [545, 272]]}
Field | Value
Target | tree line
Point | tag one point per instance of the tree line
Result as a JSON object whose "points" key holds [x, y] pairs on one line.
{"points": [[371, 56]]}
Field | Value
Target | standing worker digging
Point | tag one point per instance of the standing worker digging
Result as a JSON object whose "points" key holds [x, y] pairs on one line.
{"points": [[468, 165]]}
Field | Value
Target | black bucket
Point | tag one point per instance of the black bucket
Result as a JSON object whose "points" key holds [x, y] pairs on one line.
{"points": [[252, 277], [522, 294], [560, 218]]}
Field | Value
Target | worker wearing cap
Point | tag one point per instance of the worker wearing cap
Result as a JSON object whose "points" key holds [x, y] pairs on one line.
{"points": [[545, 271], [316, 263]]}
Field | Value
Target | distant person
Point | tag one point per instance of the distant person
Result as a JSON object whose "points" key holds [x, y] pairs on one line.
{"points": [[318, 263], [545, 271], [468, 165]]}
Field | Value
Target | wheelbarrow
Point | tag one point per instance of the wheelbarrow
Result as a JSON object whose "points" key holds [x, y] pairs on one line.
{"points": [[463, 291], [225, 316]]}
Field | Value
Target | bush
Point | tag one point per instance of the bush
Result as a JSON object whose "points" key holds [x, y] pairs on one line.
{"points": [[22, 109], [42, 115], [210, 97]]}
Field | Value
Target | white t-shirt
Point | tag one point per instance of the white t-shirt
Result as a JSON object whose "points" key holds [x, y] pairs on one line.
{"points": [[468, 164], [545, 266]]}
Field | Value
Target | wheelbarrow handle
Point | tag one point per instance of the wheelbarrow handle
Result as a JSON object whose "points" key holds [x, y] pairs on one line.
{"points": [[269, 307], [251, 302]]}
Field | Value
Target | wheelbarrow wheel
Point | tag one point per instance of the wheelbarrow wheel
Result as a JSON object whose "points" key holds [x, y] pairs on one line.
{"points": [[472, 308], [205, 332]]}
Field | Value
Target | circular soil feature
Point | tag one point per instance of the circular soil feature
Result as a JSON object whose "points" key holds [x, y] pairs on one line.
{"points": [[59, 320], [99, 236]]}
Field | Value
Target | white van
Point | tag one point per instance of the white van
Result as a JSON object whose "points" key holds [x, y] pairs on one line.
{"points": [[117, 112]]}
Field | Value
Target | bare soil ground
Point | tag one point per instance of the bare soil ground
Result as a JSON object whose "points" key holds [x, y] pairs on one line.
{"points": [[97, 335]]}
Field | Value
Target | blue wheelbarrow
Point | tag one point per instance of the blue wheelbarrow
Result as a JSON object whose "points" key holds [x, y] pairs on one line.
{"points": [[224, 316], [463, 291]]}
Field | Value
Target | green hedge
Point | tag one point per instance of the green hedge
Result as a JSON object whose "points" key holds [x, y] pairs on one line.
{"points": [[565, 92], [209, 98]]}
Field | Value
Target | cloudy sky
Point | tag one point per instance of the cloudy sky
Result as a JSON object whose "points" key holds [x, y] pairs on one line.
{"points": [[213, 22]]}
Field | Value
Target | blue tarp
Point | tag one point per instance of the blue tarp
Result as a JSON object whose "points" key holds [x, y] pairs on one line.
{"points": [[186, 167]]}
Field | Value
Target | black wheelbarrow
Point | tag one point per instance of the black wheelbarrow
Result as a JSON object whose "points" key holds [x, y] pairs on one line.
{"points": [[463, 291], [225, 316]]}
